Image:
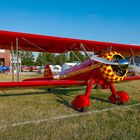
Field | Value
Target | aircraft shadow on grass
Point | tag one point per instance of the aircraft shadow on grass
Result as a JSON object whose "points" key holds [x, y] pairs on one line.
{"points": [[58, 92], [21, 94], [46, 91], [63, 101]]}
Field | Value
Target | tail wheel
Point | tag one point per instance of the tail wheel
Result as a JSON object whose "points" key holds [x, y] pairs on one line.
{"points": [[120, 99]]}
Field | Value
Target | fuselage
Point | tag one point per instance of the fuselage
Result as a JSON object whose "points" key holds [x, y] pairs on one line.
{"points": [[84, 71]]}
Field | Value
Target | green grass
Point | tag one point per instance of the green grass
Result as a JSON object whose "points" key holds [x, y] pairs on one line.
{"points": [[8, 76], [36, 104]]}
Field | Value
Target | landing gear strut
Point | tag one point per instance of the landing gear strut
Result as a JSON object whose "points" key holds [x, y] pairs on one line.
{"points": [[81, 102], [119, 97]]}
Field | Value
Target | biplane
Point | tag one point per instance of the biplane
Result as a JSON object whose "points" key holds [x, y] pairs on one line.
{"points": [[107, 66]]}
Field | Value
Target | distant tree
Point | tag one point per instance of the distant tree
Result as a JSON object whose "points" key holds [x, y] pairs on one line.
{"points": [[73, 58], [60, 59], [49, 58], [27, 58], [39, 60], [45, 58]]}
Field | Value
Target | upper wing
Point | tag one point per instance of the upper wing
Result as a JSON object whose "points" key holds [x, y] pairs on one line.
{"points": [[39, 43]]}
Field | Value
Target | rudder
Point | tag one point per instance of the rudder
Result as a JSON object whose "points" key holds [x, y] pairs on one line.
{"points": [[47, 72]]}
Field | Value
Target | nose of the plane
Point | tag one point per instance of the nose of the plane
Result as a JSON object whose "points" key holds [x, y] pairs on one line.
{"points": [[123, 64]]}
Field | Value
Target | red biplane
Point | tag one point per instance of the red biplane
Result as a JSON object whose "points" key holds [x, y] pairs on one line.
{"points": [[107, 66]]}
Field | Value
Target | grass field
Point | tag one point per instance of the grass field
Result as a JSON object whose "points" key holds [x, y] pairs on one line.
{"points": [[36, 114]]}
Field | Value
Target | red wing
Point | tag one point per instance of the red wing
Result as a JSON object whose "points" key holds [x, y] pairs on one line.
{"points": [[41, 83], [34, 42], [130, 78]]}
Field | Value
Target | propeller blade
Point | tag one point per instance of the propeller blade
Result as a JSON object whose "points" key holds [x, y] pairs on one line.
{"points": [[102, 60]]}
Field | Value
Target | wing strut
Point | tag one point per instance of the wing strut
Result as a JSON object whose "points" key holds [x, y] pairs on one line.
{"points": [[32, 44], [76, 56], [83, 48]]}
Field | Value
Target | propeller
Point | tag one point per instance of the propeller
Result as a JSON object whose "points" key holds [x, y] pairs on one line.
{"points": [[117, 63], [103, 60]]}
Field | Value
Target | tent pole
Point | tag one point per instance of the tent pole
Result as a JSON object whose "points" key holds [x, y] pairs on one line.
{"points": [[12, 61], [17, 54]]}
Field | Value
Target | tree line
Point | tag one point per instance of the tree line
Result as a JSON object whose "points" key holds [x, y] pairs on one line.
{"points": [[28, 59]]}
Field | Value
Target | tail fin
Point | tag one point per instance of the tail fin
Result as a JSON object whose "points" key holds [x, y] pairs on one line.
{"points": [[47, 72]]}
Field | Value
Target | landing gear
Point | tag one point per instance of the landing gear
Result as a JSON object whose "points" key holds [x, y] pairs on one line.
{"points": [[81, 102], [119, 97]]}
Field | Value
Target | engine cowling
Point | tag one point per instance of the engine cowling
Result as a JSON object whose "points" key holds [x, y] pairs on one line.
{"points": [[113, 73]]}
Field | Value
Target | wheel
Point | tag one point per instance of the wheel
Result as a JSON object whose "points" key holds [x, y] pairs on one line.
{"points": [[120, 99], [80, 103]]}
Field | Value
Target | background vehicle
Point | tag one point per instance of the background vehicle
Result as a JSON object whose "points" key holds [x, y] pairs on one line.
{"points": [[4, 68], [34, 68], [25, 68]]}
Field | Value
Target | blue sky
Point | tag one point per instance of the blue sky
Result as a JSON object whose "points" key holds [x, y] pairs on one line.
{"points": [[103, 20]]}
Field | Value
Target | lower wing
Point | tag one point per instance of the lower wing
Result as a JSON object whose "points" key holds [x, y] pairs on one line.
{"points": [[40, 83], [130, 78]]}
